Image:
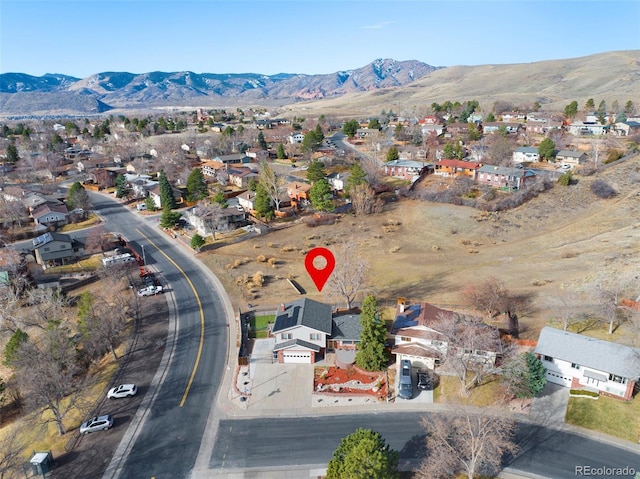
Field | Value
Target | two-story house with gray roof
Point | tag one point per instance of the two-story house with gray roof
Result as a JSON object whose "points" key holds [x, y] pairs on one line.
{"points": [[52, 249], [525, 154], [575, 360], [301, 329]]}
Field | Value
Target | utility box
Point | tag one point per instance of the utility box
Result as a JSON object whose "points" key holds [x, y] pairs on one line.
{"points": [[41, 463]]}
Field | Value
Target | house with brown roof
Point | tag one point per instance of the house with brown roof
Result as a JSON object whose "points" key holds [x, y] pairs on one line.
{"points": [[504, 177], [418, 337], [298, 191], [453, 167], [50, 214], [240, 176], [571, 158]]}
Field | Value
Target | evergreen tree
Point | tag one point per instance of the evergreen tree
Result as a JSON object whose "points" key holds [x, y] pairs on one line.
{"points": [[12, 154], [122, 187], [320, 195], [150, 204], [73, 192], [525, 375], [169, 218], [280, 154], [571, 110], [350, 128], [393, 154], [252, 185], [262, 143], [363, 454], [371, 355], [220, 198], [590, 104], [18, 338], [196, 185], [312, 141], [490, 117], [547, 149], [316, 171], [356, 177], [262, 203], [374, 124], [167, 200], [197, 242]]}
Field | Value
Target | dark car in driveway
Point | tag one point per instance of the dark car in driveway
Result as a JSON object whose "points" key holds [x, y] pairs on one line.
{"points": [[425, 380]]}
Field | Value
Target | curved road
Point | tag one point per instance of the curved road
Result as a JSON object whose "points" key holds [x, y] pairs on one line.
{"points": [[167, 441]]}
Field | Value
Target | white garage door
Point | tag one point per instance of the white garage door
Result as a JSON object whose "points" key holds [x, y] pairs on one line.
{"points": [[558, 378], [296, 357]]}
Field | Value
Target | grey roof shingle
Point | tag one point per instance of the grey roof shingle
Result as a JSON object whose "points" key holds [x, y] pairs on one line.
{"points": [[590, 352], [346, 327], [304, 312], [297, 342]]}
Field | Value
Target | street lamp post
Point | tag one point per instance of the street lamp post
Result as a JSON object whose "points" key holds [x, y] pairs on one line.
{"points": [[144, 261]]}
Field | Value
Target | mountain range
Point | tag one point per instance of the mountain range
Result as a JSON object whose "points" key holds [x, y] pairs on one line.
{"points": [[383, 83], [24, 94]]}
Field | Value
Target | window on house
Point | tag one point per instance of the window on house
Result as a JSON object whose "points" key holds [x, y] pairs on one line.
{"points": [[617, 379], [548, 358], [286, 336], [405, 339], [314, 337], [46, 248], [575, 366]]}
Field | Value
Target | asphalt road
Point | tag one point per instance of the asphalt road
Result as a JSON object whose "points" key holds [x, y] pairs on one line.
{"points": [[264, 443], [167, 444]]}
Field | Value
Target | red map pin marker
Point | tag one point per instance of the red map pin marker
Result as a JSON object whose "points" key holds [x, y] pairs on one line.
{"points": [[319, 275]]}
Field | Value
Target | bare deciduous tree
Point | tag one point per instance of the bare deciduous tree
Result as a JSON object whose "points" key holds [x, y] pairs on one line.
{"points": [[364, 200], [272, 183], [47, 305], [12, 444], [471, 348], [211, 215], [349, 274], [461, 441], [373, 168], [47, 373], [488, 296], [566, 307]]}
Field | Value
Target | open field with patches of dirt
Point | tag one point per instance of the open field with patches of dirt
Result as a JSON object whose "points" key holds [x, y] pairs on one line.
{"points": [[426, 251]]}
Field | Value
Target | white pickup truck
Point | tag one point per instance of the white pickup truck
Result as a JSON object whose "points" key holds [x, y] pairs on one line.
{"points": [[150, 290]]}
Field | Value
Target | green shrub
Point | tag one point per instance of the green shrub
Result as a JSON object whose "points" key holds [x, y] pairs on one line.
{"points": [[565, 178], [583, 392]]}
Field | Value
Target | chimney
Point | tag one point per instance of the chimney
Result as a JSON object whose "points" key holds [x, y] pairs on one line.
{"points": [[281, 306], [401, 304]]}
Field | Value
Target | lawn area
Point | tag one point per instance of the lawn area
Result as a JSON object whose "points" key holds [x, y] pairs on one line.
{"points": [[610, 416], [489, 393], [259, 325], [90, 221], [89, 264]]}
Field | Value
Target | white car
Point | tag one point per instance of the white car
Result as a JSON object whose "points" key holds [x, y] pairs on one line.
{"points": [[122, 391], [150, 290]]}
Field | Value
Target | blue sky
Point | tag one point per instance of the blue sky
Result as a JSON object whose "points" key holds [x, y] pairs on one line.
{"points": [[84, 37]]}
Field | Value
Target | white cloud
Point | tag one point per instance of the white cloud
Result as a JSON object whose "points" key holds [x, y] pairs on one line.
{"points": [[377, 26]]}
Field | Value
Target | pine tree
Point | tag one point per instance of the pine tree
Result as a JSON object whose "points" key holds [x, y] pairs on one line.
{"points": [[363, 454], [262, 203], [122, 187], [316, 171], [167, 200], [280, 154], [371, 355], [356, 177], [196, 185], [320, 195], [12, 154], [262, 143]]}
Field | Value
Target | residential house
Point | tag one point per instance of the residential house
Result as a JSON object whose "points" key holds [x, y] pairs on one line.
{"points": [[50, 214], [230, 218], [139, 184], [233, 159], [247, 200], [257, 154], [105, 177], [154, 193], [513, 117], [457, 129], [626, 128], [504, 177], [298, 191], [576, 361], [366, 132], [405, 169], [212, 168], [429, 120], [525, 154], [429, 130], [240, 176], [452, 167], [338, 180], [301, 329], [416, 336], [571, 158], [52, 249], [345, 332], [495, 126], [594, 117], [585, 128], [296, 138]]}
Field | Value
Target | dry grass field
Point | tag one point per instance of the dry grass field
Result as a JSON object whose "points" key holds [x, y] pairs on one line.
{"points": [[559, 241]]}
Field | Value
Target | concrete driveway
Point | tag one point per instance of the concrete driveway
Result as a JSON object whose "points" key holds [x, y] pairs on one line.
{"points": [[550, 407]]}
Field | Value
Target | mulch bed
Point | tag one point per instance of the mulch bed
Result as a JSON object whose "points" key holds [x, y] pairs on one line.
{"points": [[340, 381]]}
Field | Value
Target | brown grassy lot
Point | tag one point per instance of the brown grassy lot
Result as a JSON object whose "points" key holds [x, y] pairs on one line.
{"points": [[429, 252]]}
